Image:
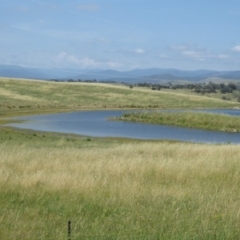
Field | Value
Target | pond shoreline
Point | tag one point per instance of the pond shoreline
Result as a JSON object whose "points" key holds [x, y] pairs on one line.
{"points": [[95, 124]]}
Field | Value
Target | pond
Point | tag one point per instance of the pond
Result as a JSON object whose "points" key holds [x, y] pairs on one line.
{"points": [[96, 124]]}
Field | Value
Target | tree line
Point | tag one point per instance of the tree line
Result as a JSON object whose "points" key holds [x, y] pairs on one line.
{"points": [[197, 87]]}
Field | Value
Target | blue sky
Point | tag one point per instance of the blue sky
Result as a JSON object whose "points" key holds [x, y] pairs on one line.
{"points": [[121, 34]]}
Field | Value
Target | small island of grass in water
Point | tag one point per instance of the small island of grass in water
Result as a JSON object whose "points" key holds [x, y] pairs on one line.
{"points": [[208, 121]]}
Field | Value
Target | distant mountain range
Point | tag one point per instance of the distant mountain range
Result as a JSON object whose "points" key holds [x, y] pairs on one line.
{"points": [[151, 75]]}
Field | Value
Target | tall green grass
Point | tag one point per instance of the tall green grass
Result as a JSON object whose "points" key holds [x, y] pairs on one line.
{"points": [[209, 121], [117, 189]]}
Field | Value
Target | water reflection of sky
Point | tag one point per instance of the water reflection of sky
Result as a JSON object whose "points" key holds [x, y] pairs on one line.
{"points": [[95, 124]]}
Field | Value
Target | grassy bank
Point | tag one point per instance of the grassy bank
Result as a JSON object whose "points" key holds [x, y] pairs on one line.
{"points": [[116, 189], [201, 120]]}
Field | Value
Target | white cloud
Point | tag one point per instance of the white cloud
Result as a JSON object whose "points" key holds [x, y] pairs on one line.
{"points": [[197, 55], [192, 51], [164, 56], [89, 7], [114, 64], [178, 47], [129, 52], [236, 49], [102, 40], [63, 56], [139, 51], [86, 62], [73, 59], [223, 56]]}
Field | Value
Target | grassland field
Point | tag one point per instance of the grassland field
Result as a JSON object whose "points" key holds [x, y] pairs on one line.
{"points": [[112, 188]]}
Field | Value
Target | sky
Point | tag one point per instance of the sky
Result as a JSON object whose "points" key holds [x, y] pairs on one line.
{"points": [[121, 34]]}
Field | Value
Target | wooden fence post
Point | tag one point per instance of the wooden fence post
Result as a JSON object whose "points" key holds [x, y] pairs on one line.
{"points": [[69, 230]]}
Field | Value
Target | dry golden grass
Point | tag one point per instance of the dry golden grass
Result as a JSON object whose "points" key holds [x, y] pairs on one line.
{"points": [[14, 95], [72, 168], [141, 185]]}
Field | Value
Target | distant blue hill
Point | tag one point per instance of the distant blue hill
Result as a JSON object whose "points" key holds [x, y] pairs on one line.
{"points": [[151, 75]]}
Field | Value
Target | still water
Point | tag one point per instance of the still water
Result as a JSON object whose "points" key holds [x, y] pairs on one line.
{"points": [[96, 124]]}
